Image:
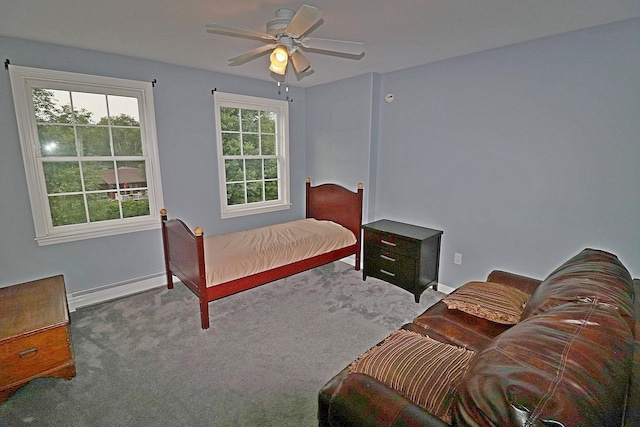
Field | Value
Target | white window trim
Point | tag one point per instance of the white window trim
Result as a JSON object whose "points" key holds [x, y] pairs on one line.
{"points": [[282, 108], [22, 80]]}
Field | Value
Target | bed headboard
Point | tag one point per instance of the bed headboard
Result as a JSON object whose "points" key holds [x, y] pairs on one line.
{"points": [[335, 203]]}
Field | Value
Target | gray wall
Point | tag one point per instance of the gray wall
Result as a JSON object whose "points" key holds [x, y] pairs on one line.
{"points": [[522, 155], [339, 123], [186, 138]]}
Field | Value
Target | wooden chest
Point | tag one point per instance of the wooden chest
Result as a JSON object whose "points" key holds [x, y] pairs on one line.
{"points": [[34, 334]]}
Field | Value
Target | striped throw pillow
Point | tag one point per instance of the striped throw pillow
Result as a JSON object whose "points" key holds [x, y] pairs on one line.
{"points": [[423, 370], [489, 300]]}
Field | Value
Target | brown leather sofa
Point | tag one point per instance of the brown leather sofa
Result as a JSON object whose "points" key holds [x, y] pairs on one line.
{"points": [[573, 359]]}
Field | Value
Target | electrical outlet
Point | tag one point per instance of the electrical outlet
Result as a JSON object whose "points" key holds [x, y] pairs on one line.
{"points": [[457, 258]]}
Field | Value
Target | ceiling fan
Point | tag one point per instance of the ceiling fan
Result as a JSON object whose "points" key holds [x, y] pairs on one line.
{"points": [[285, 37]]}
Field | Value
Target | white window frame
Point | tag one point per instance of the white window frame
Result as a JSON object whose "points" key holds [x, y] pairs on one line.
{"points": [[23, 80], [281, 108]]}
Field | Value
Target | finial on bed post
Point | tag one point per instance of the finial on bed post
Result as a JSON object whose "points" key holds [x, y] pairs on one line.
{"points": [[198, 231], [308, 180], [163, 214], [360, 186]]}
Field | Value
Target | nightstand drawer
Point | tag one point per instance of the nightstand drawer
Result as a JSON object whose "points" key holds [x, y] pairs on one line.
{"points": [[29, 356], [388, 266], [392, 242]]}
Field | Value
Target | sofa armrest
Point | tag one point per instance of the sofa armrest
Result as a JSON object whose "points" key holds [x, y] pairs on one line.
{"points": [[523, 283], [360, 400], [632, 413]]}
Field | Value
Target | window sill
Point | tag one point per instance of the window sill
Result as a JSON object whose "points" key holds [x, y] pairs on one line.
{"points": [[52, 239]]}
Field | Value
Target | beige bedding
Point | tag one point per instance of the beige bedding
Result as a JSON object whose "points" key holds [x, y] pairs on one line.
{"points": [[234, 255]]}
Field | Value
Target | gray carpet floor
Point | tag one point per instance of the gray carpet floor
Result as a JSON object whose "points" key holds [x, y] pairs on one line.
{"points": [[144, 360]]}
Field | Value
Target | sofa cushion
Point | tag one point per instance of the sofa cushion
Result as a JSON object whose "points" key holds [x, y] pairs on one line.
{"points": [[423, 370], [591, 275], [567, 366], [492, 301], [457, 327]]}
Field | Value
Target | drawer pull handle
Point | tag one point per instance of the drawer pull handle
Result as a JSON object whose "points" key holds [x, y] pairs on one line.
{"points": [[388, 243], [30, 352], [388, 273], [388, 258]]}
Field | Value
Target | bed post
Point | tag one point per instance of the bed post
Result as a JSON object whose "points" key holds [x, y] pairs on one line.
{"points": [[308, 188], [165, 244], [358, 236], [202, 279]]}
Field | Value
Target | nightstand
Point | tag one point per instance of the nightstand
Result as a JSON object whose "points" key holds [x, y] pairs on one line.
{"points": [[34, 334], [405, 255]]}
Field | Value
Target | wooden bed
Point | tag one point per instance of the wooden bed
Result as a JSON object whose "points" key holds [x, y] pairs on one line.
{"points": [[184, 252]]}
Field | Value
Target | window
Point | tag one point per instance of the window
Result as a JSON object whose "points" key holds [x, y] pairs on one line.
{"points": [[90, 153], [253, 161]]}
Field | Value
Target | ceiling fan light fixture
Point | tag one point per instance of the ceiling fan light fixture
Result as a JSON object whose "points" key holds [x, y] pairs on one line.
{"points": [[279, 58]]}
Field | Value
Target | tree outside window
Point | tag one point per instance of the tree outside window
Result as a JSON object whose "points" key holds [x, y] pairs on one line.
{"points": [[253, 154], [90, 153]]}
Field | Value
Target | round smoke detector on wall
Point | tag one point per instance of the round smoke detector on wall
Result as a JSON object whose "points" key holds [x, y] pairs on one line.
{"points": [[388, 98]]}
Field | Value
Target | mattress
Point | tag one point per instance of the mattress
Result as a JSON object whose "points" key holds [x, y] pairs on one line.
{"points": [[234, 255]]}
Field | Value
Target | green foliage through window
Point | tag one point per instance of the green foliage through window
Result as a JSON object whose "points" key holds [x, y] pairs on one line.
{"points": [[92, 156], [249, 147]]}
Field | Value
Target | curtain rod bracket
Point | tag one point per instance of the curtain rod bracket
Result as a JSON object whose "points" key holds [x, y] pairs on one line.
{"points": [[214, 90], [6, 64], [153, 82]]}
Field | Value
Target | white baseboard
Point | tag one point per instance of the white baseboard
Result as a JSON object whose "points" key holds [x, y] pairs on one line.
{"points": [[115, 290], [122, 289], [445, 289]]}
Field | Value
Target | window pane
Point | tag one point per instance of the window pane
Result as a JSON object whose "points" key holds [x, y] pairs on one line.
{"points": [[136, 207], [127, 141], [234, 170], [231, 144], [271, 190], [132, 174], [97, 175], [67, 210], [269, 145], [102, 208], [235, 194], [62, 177], [270, 169], [94, 141], [123, 108], [250, 120], [57, 141], [250, 145], [230, 119], [89, 108], [254, 169], [268, 122], [254, 192], [52, 106]]}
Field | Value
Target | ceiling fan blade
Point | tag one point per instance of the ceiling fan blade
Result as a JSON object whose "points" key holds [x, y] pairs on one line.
{"points": [[340, 46], [252, 53], [300, 62], [230, 31], [305, 18]]}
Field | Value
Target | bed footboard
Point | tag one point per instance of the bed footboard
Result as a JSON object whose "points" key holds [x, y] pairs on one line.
{"points": [[184, 258]]}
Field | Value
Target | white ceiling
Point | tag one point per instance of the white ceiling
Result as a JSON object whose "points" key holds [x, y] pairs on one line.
{"points": [[396, 34]]}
